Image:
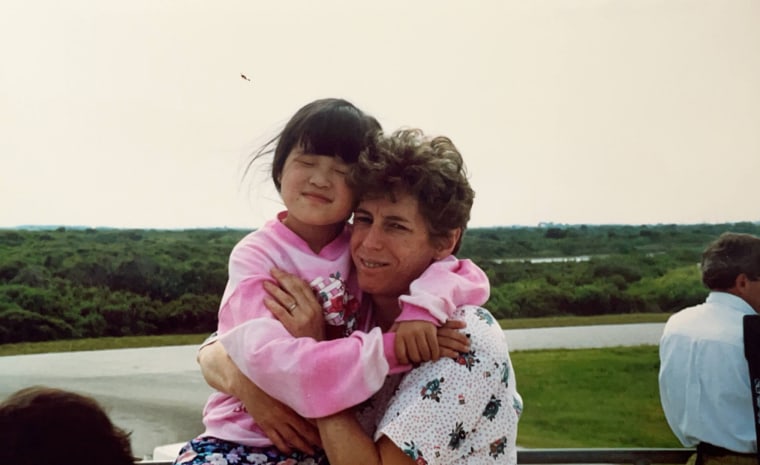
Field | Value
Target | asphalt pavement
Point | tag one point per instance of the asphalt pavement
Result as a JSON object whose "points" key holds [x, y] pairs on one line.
{"points": [[158, 393]]}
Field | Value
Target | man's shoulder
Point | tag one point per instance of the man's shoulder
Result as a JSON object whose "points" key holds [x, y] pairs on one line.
{"points": [[684, 315], [709, 322], [687, 321], [718, 306]]}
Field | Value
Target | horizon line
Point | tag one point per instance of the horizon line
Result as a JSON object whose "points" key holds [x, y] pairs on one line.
{"points": [[540, 225]]}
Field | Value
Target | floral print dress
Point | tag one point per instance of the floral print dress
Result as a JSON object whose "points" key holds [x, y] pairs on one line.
{"points": [[462, 411]]}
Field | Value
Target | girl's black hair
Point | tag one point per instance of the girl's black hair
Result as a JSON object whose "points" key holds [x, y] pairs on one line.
{"points": [[331, 126]]}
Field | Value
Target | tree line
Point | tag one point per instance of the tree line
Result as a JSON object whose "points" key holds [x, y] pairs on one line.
{"points": [[73, 282]]}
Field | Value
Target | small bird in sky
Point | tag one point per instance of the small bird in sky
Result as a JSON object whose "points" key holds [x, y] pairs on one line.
{"points": [[245, 77]]}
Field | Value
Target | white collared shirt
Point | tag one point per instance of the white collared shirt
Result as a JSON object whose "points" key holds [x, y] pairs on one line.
{"points": [[704, 376]]}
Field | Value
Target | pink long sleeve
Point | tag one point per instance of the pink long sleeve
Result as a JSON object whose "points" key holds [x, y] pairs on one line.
{"points": [[446, 285], [282, 365], [314, 378]]}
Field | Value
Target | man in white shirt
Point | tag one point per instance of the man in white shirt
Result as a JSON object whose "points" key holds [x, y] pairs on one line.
{"points": [[704, 378]]}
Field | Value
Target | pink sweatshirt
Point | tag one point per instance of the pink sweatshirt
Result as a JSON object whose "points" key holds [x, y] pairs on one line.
{"points": [[316, 378]]}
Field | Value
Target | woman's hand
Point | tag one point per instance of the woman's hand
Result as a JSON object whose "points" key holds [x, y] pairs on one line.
{"points": [[284, 427], [293, 303]]}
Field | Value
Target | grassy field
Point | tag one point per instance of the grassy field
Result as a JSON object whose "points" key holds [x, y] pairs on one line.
{"points": [[591, 398], [102, 343], [573, 398]]}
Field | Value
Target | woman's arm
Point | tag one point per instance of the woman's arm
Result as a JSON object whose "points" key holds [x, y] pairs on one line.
{"points": [[219, 371], [346, 443], [284, 427], [312, 377]]}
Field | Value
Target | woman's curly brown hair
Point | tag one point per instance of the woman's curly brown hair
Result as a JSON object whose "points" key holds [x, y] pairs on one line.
{"points": [[430, 169]]}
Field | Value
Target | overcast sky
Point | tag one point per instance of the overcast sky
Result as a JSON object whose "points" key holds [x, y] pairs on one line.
{"points": [[134, 114]]}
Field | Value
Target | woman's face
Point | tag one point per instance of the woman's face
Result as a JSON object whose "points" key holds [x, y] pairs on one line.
{"points": [[391, 245]]}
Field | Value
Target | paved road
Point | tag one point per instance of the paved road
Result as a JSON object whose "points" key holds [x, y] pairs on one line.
{"points": [[158, 393], [585, 337]]}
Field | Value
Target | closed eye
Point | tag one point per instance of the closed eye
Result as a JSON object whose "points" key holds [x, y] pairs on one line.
{"points": [[339, 166], [306, 159]]}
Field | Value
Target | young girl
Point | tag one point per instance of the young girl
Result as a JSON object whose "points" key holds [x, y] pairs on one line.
{"points": [[312, 155]]}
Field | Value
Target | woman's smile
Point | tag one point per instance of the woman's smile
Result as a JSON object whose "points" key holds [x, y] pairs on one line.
{"points": [[371, 264]]}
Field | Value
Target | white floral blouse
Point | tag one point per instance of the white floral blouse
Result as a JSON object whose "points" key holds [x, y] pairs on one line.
{"points": [[462, 411]]}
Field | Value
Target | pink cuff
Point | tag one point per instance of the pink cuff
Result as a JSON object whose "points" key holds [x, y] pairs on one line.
{"points": [[411, 312], [389, 347]]}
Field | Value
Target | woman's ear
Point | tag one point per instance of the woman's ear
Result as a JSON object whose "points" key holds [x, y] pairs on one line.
{"points": [[448, 243]]}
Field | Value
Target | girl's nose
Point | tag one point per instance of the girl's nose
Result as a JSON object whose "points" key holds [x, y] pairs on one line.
{"points": [[320, 178]]}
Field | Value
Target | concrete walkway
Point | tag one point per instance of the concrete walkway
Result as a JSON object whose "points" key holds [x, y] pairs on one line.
{"points": [[158, 393], [585, 337]]}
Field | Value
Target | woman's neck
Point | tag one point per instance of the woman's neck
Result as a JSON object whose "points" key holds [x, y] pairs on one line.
{"points": [[386, 310]]}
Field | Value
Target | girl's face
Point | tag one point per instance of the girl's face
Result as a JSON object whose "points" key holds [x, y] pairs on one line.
{"points": [[314, 190]]}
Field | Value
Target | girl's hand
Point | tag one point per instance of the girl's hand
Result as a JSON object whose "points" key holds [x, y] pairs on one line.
{"points": [[416, 342], [293, 303], [420, 341], [452, 341]]}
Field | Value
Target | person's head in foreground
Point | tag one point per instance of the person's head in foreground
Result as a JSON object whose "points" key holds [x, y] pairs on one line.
{"points": [[42, 426], [415, 202], [732, 264]]}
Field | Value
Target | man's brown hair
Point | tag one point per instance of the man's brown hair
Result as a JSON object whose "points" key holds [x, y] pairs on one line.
{"points": [[729, 256]]}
